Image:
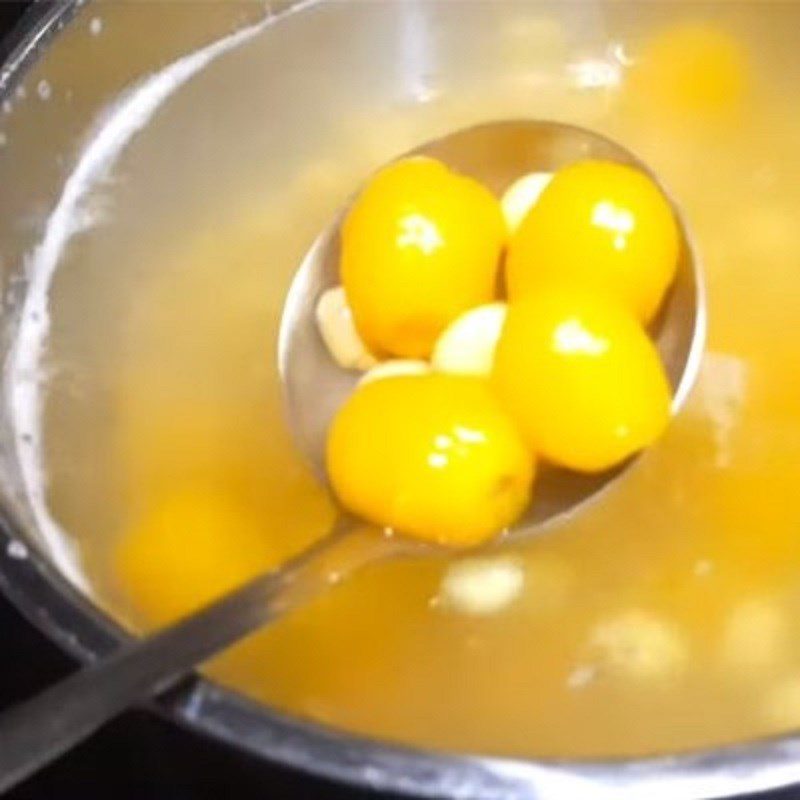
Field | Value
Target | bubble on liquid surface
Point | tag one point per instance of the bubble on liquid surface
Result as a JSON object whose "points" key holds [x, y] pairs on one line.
{"points": [[703, 567], [96, 26], [582, 676], [17, 549], [44, 90], [21, 92], [7, 106]]}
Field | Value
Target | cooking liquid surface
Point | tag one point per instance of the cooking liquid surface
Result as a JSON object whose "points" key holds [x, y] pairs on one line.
{"points": [[663, 617]]}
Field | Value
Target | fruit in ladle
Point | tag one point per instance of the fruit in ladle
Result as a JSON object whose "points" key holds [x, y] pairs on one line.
{"points": [[420, 245], [581, 379], [430, 456], [599, 226]]}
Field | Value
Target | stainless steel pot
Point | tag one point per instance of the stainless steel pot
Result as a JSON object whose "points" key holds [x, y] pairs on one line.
{"points": [[38, 147]]}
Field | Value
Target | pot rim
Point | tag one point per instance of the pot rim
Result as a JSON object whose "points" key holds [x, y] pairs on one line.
{"points": [[45, 597]]}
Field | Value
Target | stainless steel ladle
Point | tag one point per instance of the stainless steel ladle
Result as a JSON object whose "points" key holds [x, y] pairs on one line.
{"points": [[39, 730]]}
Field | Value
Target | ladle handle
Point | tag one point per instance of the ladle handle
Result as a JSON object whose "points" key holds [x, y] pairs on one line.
{"points": [[39, 730]]}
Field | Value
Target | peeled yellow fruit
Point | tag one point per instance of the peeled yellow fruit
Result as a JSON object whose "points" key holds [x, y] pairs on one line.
{"points": [[467, 345], [420, 246], [430, 456], [602, 227], [581, 379]]}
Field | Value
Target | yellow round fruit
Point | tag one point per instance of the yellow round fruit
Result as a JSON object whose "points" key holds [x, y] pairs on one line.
{"points": [[601, 226], [191, 547], [692, 71], [581, 379], [430, 456], [419, 246]]}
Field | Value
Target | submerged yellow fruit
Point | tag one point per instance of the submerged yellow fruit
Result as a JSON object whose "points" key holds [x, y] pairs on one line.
{"points": [[430, 456], [692, 71], [188, 549], [600, 226], [420, 246], [581, 379]]}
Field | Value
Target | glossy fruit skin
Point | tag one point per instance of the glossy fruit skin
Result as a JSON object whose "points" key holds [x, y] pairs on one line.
{"points": [[430, 456], [419, 246], [601, 226], [581, 379]]}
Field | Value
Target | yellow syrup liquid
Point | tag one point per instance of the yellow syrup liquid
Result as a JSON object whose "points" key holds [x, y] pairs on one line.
{"points": [[663, 617]]}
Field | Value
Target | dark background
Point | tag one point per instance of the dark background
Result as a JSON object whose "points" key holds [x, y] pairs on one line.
{"points": [[141, 756]]}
